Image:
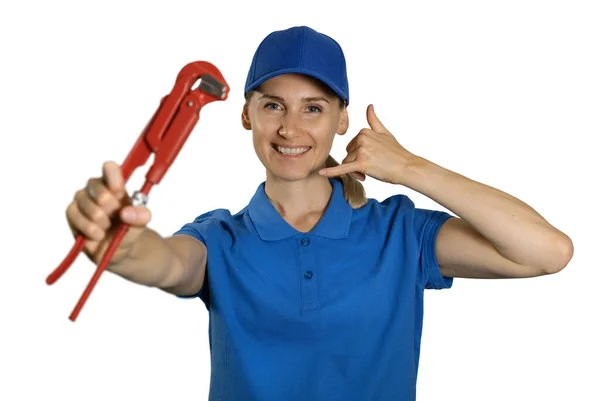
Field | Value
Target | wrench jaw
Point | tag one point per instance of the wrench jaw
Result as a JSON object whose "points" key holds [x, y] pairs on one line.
{"points": [[206, 78], [211, 86]]}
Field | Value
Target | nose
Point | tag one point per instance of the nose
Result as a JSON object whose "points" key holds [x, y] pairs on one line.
{"points": [[289, 125]]}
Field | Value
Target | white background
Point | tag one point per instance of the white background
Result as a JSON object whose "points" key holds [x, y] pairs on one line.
{"points": [[506, 93]]}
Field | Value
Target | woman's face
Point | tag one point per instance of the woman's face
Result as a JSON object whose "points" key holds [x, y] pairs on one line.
{"points": [[293, 122]]}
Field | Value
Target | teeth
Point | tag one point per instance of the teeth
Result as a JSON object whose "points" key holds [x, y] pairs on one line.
{"points": [[291, 151]]}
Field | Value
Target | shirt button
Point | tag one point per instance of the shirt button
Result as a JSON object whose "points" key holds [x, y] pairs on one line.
{"points": [[304, 241], [308, 275]]}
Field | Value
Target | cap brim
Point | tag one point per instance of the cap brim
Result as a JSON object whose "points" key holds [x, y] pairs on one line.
{"points": [[296, 70]]}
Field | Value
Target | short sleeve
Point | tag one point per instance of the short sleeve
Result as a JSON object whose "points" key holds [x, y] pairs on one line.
{"points": [[427, 224], [199, 229]]}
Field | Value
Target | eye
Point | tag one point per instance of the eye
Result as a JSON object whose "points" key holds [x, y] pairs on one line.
{"points": [[271, 106], [314, 109]]}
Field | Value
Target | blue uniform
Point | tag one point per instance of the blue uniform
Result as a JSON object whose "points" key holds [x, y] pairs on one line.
{"points": [[333, 314]]}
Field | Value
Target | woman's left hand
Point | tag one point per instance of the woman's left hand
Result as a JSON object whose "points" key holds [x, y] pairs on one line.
{"points": [[373, 152]]}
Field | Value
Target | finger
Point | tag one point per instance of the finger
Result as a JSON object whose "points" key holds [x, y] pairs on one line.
{"points": [[345, 168], [358, 140], [102, 196], [353, 144], [92, 210], [350, 157], [113, 178], [374, 121], [356, 174], [82, 225], [136, 216]]}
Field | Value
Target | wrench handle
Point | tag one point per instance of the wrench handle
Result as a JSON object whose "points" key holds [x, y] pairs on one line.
{"points": [[80, 242], [110, 251]]}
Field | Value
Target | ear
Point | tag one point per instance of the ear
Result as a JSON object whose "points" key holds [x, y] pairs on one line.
{"points": [[246, 118], [343, 123]]}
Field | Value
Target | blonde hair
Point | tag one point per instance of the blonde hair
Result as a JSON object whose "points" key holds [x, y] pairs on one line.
{"points": [[354, 191]]}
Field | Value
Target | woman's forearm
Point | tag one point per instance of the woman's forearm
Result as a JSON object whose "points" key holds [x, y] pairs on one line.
{"points": [[151, 262], [515, 229]]}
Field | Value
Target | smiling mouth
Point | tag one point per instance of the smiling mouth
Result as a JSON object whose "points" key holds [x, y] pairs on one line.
{"points": [[288, 151]]}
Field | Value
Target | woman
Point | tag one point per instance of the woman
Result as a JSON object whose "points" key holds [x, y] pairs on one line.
{"points": [[314, 291]]}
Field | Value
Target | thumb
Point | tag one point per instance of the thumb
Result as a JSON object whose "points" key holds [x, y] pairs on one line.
{"points": [[374, 121], [135, 216], [113, 177]]}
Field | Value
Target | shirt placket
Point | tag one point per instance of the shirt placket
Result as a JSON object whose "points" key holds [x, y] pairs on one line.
{"points": [[308, 275]]}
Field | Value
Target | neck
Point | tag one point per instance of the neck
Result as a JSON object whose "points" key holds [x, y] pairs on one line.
{"points": [[295, 200]]}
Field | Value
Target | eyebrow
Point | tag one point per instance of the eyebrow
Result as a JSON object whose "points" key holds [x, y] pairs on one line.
{"points": [[305, 99]]}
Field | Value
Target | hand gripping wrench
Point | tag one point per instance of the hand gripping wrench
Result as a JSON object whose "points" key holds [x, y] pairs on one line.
{"points": [[197, 84]]}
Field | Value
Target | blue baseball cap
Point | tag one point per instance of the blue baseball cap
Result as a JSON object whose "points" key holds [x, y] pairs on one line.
{"points": [[302, 50]]}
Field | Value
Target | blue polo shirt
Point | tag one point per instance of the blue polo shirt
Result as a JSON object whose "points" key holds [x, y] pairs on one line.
{"points": [[333, 314]]}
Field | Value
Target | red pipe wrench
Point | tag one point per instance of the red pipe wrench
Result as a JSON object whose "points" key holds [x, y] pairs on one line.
{"points": [[197, 84]]}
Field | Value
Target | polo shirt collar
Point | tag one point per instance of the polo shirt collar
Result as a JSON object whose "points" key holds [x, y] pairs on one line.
{"points": [[334, 224]]}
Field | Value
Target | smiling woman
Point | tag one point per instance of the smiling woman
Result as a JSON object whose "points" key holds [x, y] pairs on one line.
{"points": [[271, 111], [314, 291]]}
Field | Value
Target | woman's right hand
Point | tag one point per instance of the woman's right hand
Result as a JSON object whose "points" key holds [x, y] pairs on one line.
{"points": [[97, 210]]}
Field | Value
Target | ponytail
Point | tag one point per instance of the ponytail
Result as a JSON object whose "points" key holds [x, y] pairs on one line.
{"points": [[354, 192]]}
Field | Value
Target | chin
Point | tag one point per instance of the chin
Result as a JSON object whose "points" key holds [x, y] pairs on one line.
{"points": [[290, 176]]}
